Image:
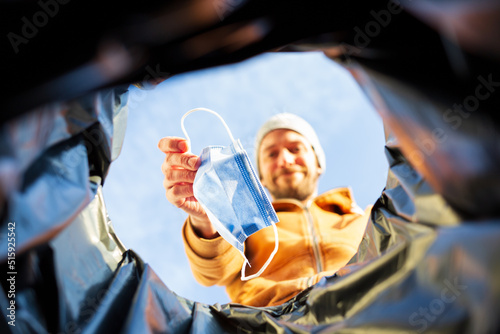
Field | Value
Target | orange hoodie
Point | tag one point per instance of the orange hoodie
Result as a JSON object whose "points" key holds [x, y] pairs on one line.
{"points": [[314, 241]]}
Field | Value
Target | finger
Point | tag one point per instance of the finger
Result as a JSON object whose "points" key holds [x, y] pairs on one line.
{"points": [[174, 176], [182, 190], [173, 144], [183, 160], [177, 194], [192, 206]]}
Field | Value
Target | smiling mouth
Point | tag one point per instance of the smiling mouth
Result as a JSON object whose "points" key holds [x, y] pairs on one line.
{"points": [[289, 172]]}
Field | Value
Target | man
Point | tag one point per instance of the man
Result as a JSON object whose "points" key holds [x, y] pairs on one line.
{"points": [[318, 235]]}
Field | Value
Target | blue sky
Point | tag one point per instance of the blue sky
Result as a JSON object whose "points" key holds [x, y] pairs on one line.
{"points": [[245, 95]]}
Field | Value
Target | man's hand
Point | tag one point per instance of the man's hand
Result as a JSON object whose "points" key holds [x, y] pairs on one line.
{"points": [[180, 169]]}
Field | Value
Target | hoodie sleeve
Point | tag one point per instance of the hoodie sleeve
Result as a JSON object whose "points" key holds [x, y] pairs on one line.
{"points": [[213, 261]]}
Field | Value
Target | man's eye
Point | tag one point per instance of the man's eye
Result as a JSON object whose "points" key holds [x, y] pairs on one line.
{"points": [[295, 149], [272, 154]]}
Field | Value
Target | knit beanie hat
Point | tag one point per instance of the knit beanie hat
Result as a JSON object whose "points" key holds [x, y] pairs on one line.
{"points": [[294, 123]]}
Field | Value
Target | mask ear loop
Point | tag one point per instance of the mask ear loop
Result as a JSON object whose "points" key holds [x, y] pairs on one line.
{"points": [[257, 274], [212, 112]]}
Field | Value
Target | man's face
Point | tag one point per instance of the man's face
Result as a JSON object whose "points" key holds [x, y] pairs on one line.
{"points": [[288, 165]]}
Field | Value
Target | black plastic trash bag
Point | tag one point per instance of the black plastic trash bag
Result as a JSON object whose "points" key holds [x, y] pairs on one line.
{"points": [[419, 267]]}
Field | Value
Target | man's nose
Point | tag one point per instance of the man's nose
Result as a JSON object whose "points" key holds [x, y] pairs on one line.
{"points": [[285, 158]]}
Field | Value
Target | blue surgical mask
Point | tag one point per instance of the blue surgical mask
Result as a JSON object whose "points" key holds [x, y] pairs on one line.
{"points": [[229, 190]]}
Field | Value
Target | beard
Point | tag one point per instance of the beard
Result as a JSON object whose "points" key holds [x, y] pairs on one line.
{"points": [[299, 191]]}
